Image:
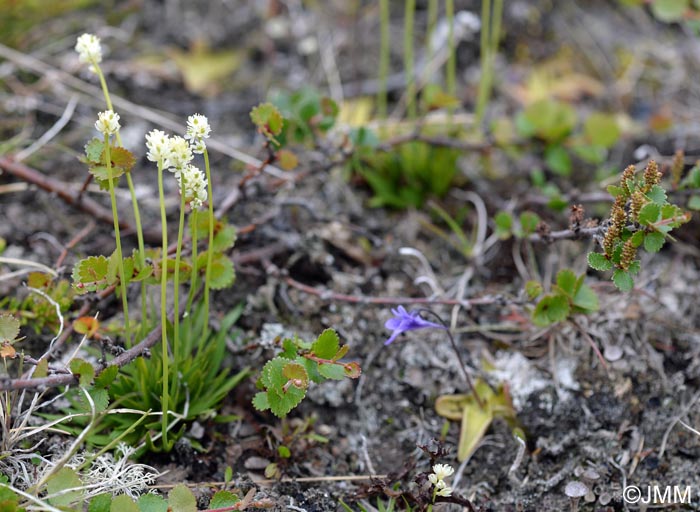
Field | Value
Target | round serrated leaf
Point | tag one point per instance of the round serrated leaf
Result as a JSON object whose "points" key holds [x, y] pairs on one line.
{"points": [[9, 328], [601, 129], [669, 11], [296, 373], [598, 261], [649, 214], [551, 309], [623, 280], [653, 242], [181, 499], [326, 345]]}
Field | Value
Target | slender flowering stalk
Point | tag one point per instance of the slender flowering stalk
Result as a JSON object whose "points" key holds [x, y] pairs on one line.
{"points": [[90, 51], [198, 129], [157, 144], [404, 321], [108, 124], [437, 478]]}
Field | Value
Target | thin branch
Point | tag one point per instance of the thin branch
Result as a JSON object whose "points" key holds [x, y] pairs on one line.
{"points": [[68, 195], [364, 299]]}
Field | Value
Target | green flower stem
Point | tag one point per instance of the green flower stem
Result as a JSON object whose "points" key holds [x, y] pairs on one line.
{"points": [[163, 304], [490, 34], [193, 283], [409, 11], [195, 270], [210, 248], [451, 75], [176, 285], [117, 236], [135, 206], [383, 58]]}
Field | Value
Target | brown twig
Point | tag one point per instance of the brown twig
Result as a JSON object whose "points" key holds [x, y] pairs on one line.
{"points": [[68, 195], [364, 299]]}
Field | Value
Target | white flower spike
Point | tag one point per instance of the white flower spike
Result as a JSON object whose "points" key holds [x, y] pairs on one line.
{"points": [[193, 185], [107, 123], [180, 154], [89, 50], [158, 145], [442, 471], [197, 127]]}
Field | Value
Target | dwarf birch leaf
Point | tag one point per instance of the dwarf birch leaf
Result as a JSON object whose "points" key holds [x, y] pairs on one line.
{"points": [[649, 214], [90, 274], [42, 368], [326, 345], [586, 298], [94, 149], [123, 503], [551, 309], [332, 371], [9, 328], [601, 129], [598, 261], [223, 499], [287, 159], [84, 371], [352, 370], [181, 499], [260, 401], [86, 325], [657, 195], [623, 280], [653, 242], [100, 503], [65, 478], [106, 377], [268, 119], [296, 373], [122, 159], [566, 281], [152, 503]]}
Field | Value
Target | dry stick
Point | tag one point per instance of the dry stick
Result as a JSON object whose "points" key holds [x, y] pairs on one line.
{"points": [[67, 194], [363, 299], [125, 106]]}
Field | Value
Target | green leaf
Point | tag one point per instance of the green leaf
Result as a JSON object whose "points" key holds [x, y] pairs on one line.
{"points": [[623, 280], [90, 274], [181, 499], [94, 149], [657, 195], [107, 376], [615, 191], [268, 119], [601, 129], [326, 345], [332, 371], [65, 478], [100, 503], [504, 225], [586, 298], [694, 203], [123, 503], [84, 371], [529, 222], [281, 397], [566, 281], [260, 401], [222, 271], [649, 214], [637, 239], [558, 160], [551, 309], [669, 11], [653, 242], [152, 503], [533, 289], [223, 499], [283, 452], [9, 328], [296, 373], [548, 119], [598, 261]]}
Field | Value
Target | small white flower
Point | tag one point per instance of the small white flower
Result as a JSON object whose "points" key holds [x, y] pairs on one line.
{"points": [[107, 122], [198, 146], [197, 127], [89, 50], [158, 145], [442, 489], [180, 154], [442, 471], [193, 186]]}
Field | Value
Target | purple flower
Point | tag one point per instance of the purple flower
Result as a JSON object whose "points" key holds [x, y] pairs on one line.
{"points": [[404, 321]]}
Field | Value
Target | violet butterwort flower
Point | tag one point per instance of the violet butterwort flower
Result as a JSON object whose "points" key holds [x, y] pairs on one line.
{"points": [[404, 321]]}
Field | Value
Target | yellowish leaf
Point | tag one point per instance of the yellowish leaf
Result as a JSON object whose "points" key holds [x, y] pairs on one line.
{"points": [[7, 350], [204, 70], [356, 112]]}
